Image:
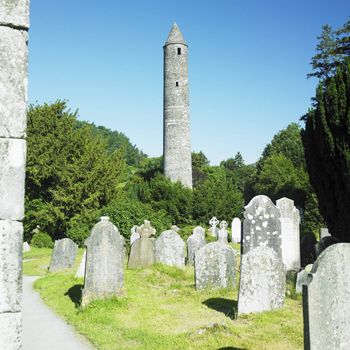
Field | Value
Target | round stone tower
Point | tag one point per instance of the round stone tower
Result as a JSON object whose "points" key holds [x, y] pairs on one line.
{"points": [[176, 138]]}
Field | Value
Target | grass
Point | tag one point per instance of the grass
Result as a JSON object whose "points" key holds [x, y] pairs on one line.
{"points": [[162, 311]]}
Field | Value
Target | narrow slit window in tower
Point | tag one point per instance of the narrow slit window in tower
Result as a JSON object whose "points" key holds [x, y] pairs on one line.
{"points": [[177, 84], [179, 50]]}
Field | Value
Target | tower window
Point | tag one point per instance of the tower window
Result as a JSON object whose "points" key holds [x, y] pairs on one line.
{"points": [[179, 50], [177, 84]]}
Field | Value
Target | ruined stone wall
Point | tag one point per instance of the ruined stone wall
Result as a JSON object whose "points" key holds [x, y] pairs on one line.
{"points": [[14, 24]]}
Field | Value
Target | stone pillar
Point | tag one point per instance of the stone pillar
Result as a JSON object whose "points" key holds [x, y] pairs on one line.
{"points": [[14, 24]]}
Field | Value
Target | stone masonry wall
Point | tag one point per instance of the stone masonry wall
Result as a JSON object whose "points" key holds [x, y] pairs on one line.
{"points": [[14, 24]]}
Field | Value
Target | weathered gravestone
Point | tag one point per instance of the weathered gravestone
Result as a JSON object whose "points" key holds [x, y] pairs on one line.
{"points": [[104, 271], [307, 249], [262, 281], [63, 255], [262, 226], [26, 247], [290, 227], [213, 230], [236, 230], [170, 248], [326, 301], [215, 266], [324, 232], [195, 242], [142, 250], [81, 269], [134, 234], [222, 233]]}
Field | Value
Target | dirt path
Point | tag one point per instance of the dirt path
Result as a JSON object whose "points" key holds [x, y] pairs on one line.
{"points": [[42, 328]]}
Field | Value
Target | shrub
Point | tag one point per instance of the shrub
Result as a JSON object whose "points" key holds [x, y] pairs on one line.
{"points": [[41, 240]]}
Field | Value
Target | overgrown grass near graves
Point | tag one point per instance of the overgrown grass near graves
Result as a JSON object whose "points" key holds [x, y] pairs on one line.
{"points": [[162, 310]]}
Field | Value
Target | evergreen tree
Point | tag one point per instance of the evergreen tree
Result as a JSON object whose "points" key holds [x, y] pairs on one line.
{"points": [[326, 140]]}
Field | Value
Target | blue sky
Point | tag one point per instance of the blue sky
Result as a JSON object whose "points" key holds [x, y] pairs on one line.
{"points": [[248, 62]]}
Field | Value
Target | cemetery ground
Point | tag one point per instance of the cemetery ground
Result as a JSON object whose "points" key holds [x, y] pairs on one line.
{"points": [[162, 310]]}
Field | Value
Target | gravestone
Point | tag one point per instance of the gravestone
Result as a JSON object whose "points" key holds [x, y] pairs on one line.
{"points": [[215, 267], [262, 226], [326, 305], [213, 230], [223, 234], [134, 234], [63, 255], [290, 228], [26, 247], [195, 242], [236, 230], [142, 250], [104, 271], [81, 269], [170, 248], [307, 249], [301, 278], [324, 232], [262, 281]]}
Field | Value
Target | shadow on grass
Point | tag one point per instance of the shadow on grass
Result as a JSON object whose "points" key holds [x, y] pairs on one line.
{"points": [[74, 294], [226, 306], [231, 348]]}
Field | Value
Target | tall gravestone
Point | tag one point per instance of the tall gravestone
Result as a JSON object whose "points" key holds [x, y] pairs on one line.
{"points": [[262, 225], [326, 297], [142, 252], [63, 255], [223, 233], [104, 271], [215, 267], [290, 227], [236, 230], [195, 242], [262, 281], [14, 24], [170, 248]]}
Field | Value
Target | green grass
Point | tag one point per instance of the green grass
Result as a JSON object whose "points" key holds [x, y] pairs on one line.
{"points": [[162, 310], [36, 261]]}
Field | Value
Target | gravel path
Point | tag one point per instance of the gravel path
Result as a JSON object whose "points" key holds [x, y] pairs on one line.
{"points": [[42, 328]]}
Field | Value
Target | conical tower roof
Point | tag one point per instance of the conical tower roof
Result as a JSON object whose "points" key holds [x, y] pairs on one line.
{"points": [[175, 36]]}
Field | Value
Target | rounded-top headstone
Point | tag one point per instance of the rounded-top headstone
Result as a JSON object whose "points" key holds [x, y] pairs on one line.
{"points": [[195, 242], [262, 225]]}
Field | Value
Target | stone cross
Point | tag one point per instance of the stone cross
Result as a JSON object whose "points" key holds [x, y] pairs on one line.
{"points": [[146, 230], [213, 222], [104, 269], [290, 230], [326, 295], [142, 252]]}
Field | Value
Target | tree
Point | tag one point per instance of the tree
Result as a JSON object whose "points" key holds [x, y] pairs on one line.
{"points": [[199, 163], [70, 174], [233, 163], [343, 40], [326, 140]]}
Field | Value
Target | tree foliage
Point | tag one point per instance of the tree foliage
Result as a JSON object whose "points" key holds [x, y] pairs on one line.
{"points": [[70, 174], [326, 140]]}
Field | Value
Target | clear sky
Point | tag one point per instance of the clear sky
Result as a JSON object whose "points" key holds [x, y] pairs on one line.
{"points": [[248, 62]]}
